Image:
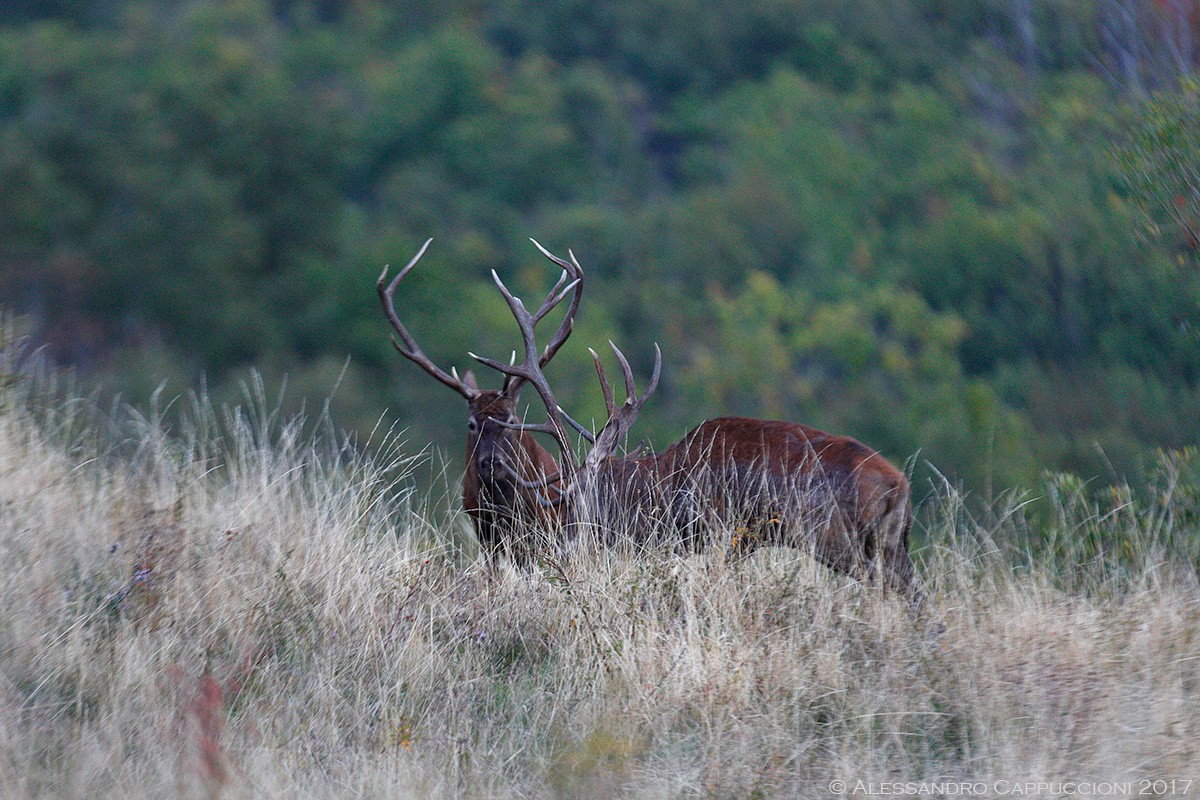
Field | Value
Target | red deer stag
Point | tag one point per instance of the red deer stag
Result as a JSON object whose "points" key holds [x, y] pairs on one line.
{"points": [[747, 481], [508, 474]]}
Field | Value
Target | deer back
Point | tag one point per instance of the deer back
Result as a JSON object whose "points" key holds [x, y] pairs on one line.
{"points": [[787, 457]]}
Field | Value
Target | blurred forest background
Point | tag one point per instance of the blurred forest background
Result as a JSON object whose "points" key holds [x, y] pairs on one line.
{"points": [[957, 229]]}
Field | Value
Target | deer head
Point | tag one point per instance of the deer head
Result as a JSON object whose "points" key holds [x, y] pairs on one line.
{"points": [[508, 474]]}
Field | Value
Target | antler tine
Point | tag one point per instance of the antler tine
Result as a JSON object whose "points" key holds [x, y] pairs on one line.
{"points": [[610, 405], [579, 427], [627, 372], [570, 268], [410, 349], [554, 299], [571, 271], [568, 271], [543, 482], [546, 482], [566, 265], [525, 321], [654, 376], [631, 398]]}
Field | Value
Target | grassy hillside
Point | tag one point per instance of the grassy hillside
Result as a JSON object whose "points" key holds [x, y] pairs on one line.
{"points": [[231, 609]]}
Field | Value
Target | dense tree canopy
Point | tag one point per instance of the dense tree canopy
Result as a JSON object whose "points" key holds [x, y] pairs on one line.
{"points": [[898, 220]]}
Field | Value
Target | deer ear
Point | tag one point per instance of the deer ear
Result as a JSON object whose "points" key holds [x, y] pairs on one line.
{"points": [[469, 381]]}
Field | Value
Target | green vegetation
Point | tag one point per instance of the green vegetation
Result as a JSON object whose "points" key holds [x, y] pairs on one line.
{"points": [[899, 220], [241, 610]]}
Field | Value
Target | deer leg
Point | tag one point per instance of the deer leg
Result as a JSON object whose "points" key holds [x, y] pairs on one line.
{"points": [[490, 541], [838, 543], [888, 552]]}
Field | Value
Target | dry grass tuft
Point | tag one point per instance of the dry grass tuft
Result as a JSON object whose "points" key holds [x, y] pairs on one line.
{"points": [[235, 609]]}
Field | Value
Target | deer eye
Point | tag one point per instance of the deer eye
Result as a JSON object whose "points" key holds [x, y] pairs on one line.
{"points": [[472, 425]]}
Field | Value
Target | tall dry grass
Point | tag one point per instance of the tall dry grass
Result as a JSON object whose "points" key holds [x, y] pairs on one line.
{"points": [[234, 608]]}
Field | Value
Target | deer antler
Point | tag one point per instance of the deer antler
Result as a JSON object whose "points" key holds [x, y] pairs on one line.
{"points": [[620, 419], [570, 269], [410, 349], [530, 367]]}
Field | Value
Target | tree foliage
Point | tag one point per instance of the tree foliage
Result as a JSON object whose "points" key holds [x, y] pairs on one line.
{"points": [[897, 220], [1160, 163]]}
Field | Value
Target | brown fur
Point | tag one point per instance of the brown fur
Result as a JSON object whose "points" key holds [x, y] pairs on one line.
{"points": [[503, 511], [769, 482]]}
